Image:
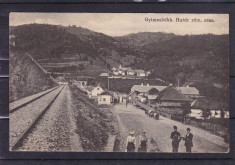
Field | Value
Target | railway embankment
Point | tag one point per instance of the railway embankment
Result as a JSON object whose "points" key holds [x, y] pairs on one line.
{"points": [[26, 78], [95, 126]]}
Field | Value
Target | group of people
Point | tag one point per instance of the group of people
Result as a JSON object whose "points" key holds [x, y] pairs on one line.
{"points": [[175, 136], [131, 142]]}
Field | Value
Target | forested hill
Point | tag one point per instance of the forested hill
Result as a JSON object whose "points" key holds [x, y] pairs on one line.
{"points": [[53, 41], [167, 55]]}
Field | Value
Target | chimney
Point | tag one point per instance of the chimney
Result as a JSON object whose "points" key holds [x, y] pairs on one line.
{"points": [[187, 86], [147, 84], [142, 84]]}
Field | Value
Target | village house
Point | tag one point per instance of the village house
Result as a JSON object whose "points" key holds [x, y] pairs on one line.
{"points": [[215, 110], [191, 92], [105, 98], [130, 72], [196, 110], [140, 73], [89, 91], [104, 75], [81, 81], [96, 91], [170, 100], [122, 97], [145, 89]]}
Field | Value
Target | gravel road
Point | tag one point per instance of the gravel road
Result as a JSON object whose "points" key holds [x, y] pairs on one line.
{"points": [[158, 132], [55, 131], [23, 117]]}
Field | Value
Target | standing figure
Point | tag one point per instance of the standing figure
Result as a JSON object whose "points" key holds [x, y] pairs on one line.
{"points": [[127, 101], [143, 142], [188, 140], [130, 142], [175, 136]]}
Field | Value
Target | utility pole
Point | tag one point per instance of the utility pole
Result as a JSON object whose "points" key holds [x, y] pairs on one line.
{"points": [[108, 82]]}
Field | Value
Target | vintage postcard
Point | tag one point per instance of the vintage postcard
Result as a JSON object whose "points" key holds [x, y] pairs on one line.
{"points": [[119, 82]]}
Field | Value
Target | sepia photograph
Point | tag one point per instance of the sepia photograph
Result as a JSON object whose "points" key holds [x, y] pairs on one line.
{"points": [[119, 82]]}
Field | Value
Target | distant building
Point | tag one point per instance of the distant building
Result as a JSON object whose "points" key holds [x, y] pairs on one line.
{"points": [[189, 91], [82, 81], [140, 73], [96, 91], [130, 72], [144, 89], [105, 98], [122, 97]]}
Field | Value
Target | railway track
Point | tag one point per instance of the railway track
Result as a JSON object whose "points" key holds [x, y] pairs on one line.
{"points": [[16, 106], [23, 119]]}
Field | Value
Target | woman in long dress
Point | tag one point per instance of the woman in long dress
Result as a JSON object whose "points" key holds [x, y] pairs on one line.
{"points": [[143, 142], [130, 142]]}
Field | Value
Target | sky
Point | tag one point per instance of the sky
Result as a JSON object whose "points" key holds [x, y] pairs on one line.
{"points": [[119, 24]]}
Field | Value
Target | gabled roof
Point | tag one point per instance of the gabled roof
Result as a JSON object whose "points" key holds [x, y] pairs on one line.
{"points": [[145, 88], [189, 90], [106, 93], [170, 93]]}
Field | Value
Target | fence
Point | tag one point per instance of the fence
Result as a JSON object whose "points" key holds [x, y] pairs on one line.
{"points": [[216, 128]]}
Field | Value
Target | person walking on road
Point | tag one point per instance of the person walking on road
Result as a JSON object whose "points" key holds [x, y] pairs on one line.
{"points": [[176, 138], [188, 140], [130, 142], [143, 142], [126, 102]]}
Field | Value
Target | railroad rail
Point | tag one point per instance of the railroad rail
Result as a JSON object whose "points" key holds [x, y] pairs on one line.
{"points": [[14, 108], [19, 140]]}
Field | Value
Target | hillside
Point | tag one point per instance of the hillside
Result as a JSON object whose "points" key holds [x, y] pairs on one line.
{"points": [[196, 60], [25, 77]]}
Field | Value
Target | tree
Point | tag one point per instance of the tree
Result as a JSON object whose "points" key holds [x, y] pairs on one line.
{"points": [[186, 108]]}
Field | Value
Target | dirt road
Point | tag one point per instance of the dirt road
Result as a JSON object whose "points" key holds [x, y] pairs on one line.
{"points": [[158, 132]]}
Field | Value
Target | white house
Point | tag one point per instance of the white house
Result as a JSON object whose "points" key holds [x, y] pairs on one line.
{"points": [[215, 113], [140, 73], [116, 72], [197, 113], [226, 114], [105, 98], [96, 91], [130, 72]]}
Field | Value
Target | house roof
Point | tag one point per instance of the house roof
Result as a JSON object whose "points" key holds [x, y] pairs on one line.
{"points": [[189, 90], [171, 93], [104, 74], [203, 103], [145, 88], [106, 93]]}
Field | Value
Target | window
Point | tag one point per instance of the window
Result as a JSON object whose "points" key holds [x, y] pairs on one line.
{"points": [[98, 88], [104, 99]]}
